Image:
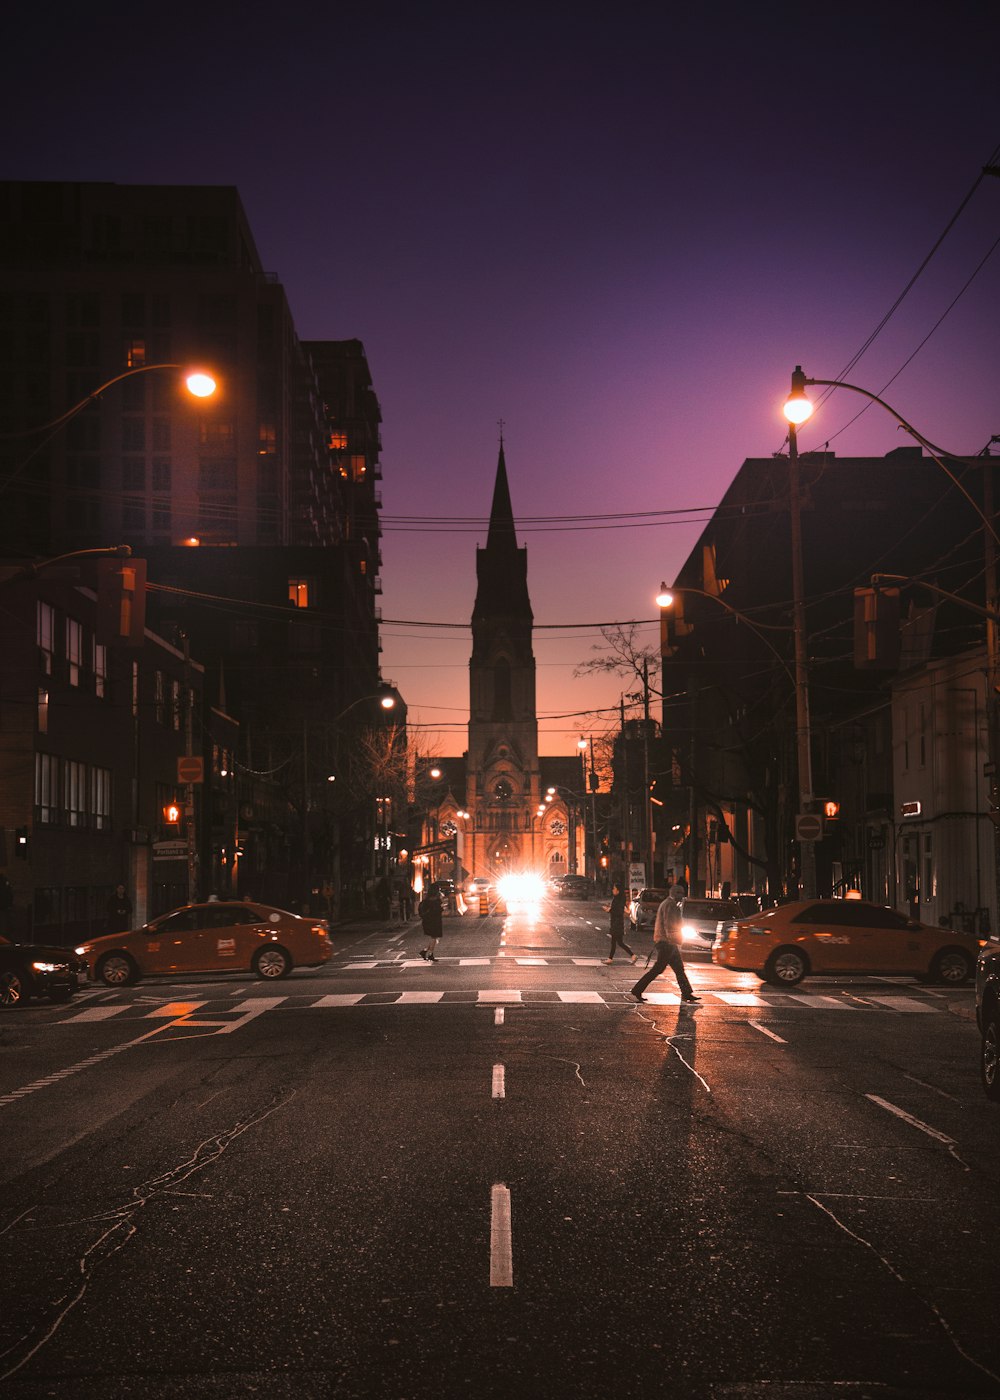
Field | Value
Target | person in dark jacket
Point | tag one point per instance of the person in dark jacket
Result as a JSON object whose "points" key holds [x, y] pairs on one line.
{"points": [[616, 909], [119, 911], [431, 912]]}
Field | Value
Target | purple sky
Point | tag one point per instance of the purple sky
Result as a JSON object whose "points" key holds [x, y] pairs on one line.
{"points": [[618, 238]]}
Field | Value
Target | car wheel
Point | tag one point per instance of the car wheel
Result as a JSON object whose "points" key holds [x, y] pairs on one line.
{"points": [[989, 1058], [117, 970], [13, 992], [272, 963], [952, 966], [786, 967]]}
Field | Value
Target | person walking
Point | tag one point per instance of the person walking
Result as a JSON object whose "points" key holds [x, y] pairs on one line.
{"points": [[616, 909], [119, 908], [430, 912], [667, 942]]}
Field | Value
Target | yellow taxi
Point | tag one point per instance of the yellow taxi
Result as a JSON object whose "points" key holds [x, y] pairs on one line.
{"points": [[218, 936], [830, 936]]}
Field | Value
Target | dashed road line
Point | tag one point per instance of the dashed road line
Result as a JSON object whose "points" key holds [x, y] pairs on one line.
{"points": [[501, 1245]]}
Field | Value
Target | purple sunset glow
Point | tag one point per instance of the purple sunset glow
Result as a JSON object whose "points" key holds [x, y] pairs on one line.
{"points": [[619, 238]]}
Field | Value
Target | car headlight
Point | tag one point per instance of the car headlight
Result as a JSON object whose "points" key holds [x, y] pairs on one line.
{"points": [[687, 932], [46, 966], [82, 951]]}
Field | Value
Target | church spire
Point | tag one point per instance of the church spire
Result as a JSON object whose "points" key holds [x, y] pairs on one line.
{"points": [[501, 567], [501, 532]]}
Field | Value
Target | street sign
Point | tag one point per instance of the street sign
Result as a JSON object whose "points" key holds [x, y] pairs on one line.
{"points": [[808, 826], [169, 850], [191, 769]]}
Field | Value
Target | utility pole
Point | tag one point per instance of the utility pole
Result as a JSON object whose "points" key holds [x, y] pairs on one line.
{"points": [[803, 729]]}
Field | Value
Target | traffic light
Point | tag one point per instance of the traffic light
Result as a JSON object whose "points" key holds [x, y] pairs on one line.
{"points": [[121, 602], [831, 809], [171, 814]]}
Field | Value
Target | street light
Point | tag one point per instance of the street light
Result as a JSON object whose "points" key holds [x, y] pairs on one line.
{"points": [[798, 409]]}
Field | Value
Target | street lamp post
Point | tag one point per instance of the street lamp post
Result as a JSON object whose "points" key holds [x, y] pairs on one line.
{"points": [[798, 408]]}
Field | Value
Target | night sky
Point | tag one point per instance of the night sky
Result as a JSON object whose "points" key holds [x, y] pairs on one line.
{"points": [[618, 235]]}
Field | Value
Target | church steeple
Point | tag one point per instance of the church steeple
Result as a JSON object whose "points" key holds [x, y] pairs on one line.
{"points": [[502, 567], [501, 533]]}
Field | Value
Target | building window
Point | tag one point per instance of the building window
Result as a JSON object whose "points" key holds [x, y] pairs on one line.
{"points": [[75, 792], [213, 432], [134, 516], [135, 353], [133, 309], [267, 439], [217, 474], [133, 435], [100, 667], [161, 517], [161, 434], [133, 474], [46, 636], [43, 710], [358, 467], [74, 649], [337, 440], [100, 798], [300, 592], [161, 474], [46, 788]]}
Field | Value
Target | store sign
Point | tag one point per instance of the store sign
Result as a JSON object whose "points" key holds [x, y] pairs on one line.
{"points": [[909, 809]]}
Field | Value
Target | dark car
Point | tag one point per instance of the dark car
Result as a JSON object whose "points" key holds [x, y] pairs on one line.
{"points": [[38, 970], [575, 887], [988, 1017], [642, 909]]}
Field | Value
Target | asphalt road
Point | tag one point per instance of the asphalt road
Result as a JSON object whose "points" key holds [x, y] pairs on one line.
{"points": [[497, 1176]]}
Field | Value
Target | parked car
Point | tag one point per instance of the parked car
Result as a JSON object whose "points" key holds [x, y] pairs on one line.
{"points": [[701, 918], [827, 936], [988, 1017], [219, 936], [642, 909], [576, 887], [38, 970]]}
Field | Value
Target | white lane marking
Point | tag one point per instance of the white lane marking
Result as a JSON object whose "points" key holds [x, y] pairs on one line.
{"points": [[499, 996], [97, 1013], [663, 998], [531, 962], [587, 962], [741, 999], [499, 1090], [417, 998], [340, 999], [474, 962], [907, 1004], [498, 1016], [913, 1122], [764, 1031], [817, 1003], [91, 1060], [360, 967], [501, 1254], [581, 997]]}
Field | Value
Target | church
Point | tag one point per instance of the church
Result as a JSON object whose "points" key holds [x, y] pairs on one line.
{"points": [[504, 809]]}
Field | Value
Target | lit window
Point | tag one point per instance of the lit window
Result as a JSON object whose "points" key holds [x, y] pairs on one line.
{"points": [[75, 793], [43, 710], [298, 592], [46, 787], [337, 441], [100, 665], [100, 798], [74, 649], [358, 467], [135, 354], [46, 634]]}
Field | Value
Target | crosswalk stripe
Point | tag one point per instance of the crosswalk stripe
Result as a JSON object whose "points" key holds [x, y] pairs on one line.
{"points": [[417, 998], [97, 1013], [903, 1003], [579, 997], [507, 995], [340, 999], [816, 1003]]}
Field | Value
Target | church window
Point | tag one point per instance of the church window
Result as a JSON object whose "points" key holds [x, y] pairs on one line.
{"points": [[558, 827], [503, 791], [501, 690]]}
